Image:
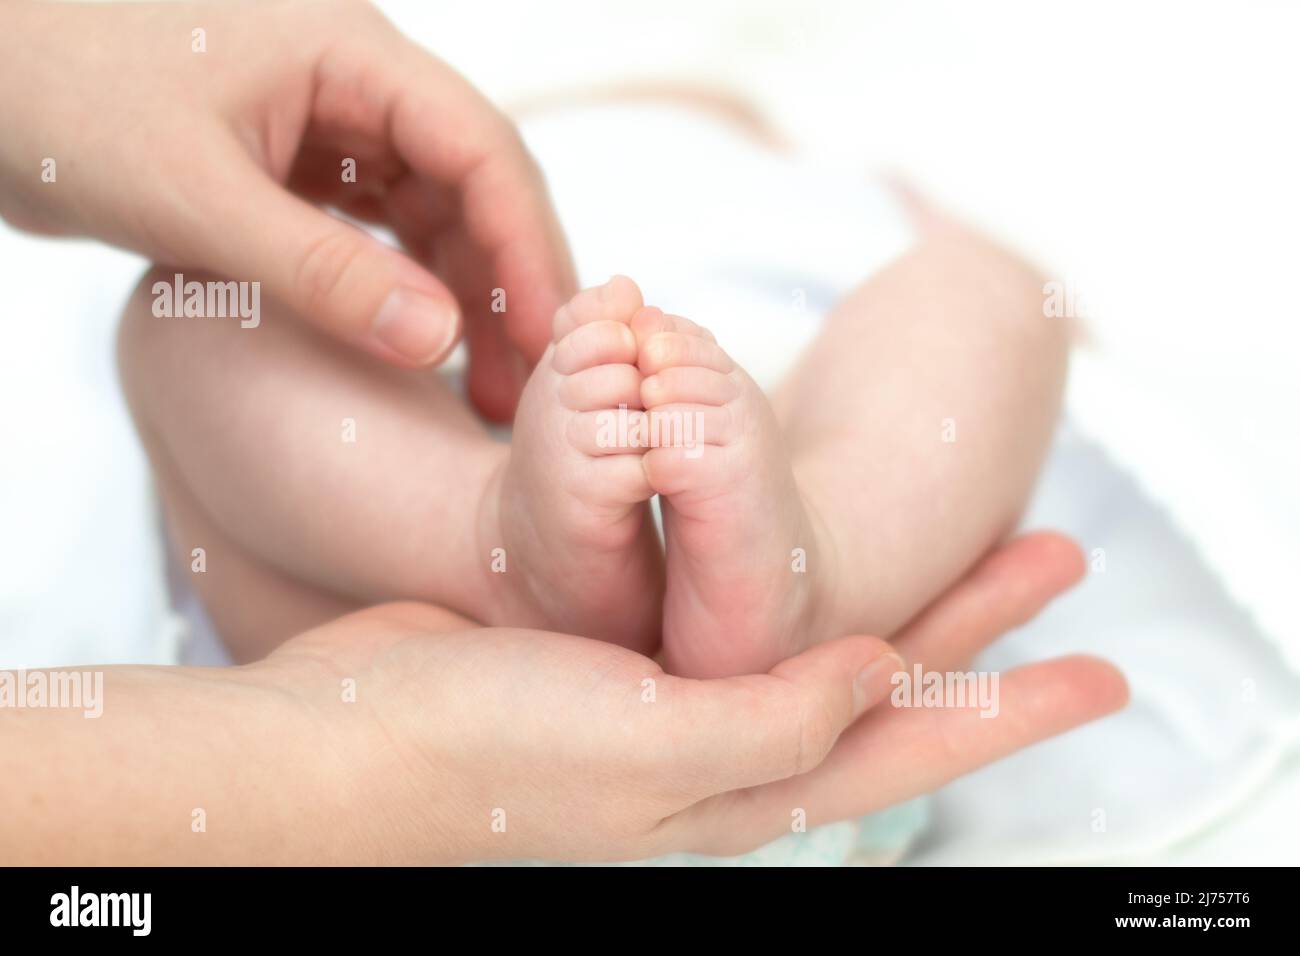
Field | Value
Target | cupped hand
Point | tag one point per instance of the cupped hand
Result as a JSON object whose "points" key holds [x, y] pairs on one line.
{"points": [[468, 744], [210, 134]]}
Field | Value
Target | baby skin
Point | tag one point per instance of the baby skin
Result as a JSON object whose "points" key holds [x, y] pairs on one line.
{"points": [[900, 449], [626, 404]]}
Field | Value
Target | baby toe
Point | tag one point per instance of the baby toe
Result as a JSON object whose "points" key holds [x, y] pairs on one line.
{"points": [[691, 426], [703, 470], [680, 384], [598, 343], [670, 349], [609, 431], [649, 321], [617, 300], [602, 386]]}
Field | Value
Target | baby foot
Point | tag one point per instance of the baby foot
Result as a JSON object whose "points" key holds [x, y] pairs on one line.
{"points": [[737, 530], [580, 550]]}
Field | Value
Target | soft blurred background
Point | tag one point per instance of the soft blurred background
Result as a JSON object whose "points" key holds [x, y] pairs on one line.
{"points": [[1144, 154]]}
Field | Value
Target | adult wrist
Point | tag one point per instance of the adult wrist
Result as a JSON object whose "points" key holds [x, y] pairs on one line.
{"points": [[377, 793]]}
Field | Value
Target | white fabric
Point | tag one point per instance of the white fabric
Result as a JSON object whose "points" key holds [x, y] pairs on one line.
{"points": [[80, 559], [1214, 441], [1212, 729]]}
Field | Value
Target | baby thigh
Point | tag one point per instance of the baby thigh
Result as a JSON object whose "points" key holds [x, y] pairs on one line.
{"points": [[920, 417], [320, 464]]}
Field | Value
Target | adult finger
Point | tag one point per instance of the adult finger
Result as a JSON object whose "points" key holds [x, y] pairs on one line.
{"points": [[1006, 589], [332, 274], [742, 731], [507, 257], [895, 754]]}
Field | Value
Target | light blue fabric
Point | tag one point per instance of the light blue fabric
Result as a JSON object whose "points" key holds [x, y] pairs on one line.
{"points": [[878, 839]]}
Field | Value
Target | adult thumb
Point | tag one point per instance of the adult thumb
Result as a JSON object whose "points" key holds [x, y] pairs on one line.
{"points": [[335, 276]]}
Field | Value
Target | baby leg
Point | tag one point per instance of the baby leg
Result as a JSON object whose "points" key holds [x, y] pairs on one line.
{"points": [[367, 483], [918, 420], [326, 466], [902, 447], [253, 606]]}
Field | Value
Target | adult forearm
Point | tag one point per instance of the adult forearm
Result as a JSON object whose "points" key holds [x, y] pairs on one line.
{"points": [[181, 765]]}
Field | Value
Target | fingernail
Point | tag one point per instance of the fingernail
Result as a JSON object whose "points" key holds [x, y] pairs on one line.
{"points": [[416, 326], [873, 683]]}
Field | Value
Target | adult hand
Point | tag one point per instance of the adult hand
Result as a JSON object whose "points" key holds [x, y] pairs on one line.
{"points": [[207, 134], [400, 734], [507, 743]]}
